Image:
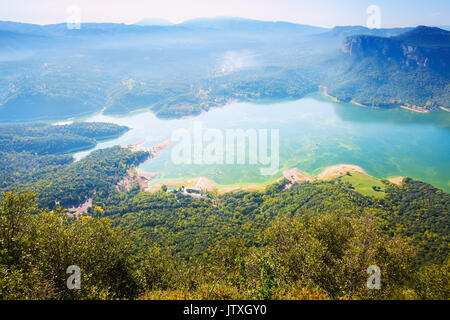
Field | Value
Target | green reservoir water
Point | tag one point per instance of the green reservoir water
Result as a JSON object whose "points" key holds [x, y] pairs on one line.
{"points": [[313, 133]]}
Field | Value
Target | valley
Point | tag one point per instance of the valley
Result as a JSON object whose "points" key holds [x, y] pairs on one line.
{"points": [[210, 63], [224, 158], [314, 133]]}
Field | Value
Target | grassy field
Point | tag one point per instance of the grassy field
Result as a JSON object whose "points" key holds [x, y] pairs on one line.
{"points": [[363, 183]]}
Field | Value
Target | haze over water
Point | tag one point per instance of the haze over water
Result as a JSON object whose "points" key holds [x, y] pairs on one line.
{"points": [[314, 133]]}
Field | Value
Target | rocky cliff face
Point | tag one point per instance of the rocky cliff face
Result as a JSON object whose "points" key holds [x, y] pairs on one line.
{"points": [[365, 46], [421, 47], [411, 69]]}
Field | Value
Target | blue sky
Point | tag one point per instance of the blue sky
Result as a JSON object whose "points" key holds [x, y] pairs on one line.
{"points": [[327, 13]]}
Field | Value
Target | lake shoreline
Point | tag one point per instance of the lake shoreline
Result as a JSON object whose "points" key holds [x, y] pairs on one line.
{"points": [[415, 110], [293, 176], [88, 114], [306, 144], [324, 92]]}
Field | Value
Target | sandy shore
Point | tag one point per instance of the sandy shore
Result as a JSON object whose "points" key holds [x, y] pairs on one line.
{"points": [[294, 175], [138, 176], [199, 182], [415, 110], [338, 171], [154, 151], [397, 180], [359, 104], [324, 91], [202, 183]]}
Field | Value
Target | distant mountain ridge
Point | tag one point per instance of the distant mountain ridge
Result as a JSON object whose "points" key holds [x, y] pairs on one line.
{"points": [[86, 29], [241, 24], [427, 37], [219, 23], [347, 31], [51, 72], [154, 22]]}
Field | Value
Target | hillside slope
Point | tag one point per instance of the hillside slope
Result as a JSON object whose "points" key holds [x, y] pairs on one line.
{"points": [[411, 69]]}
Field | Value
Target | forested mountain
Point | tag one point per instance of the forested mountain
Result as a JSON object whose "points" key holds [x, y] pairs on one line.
{"points": [[244, 26], [52, 72], [35, 157], [60, 73], [55, 139], [411, 69]]}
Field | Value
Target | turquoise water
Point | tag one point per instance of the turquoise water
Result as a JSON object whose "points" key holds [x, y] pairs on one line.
{"points": [[313, 133]]}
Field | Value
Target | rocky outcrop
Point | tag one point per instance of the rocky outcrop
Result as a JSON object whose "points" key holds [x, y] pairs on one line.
{"points": [[422, 47]]}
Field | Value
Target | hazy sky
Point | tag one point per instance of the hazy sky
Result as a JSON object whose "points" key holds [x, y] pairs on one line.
{"points": [[326, 13]]}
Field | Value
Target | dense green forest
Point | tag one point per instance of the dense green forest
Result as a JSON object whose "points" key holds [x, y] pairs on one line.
{"points": [[35, 157], [59, 181], [313, 248], [312, 241], [44, 139], [415, 210]]}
